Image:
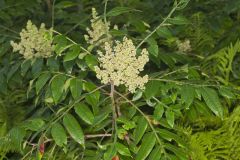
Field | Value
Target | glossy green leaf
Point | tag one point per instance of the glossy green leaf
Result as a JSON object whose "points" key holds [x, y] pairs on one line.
{"points": [[187, 94], [76, 86], [25, 66], [151, 89], [179, 152], [34, 124], [146, 147], [57, 87], [137, 95], [212, 100], [142, 125], [122, 149], [170, 117], [226, 92], [84, 113], [171, 136], [158, 111], [72, 54], [153, 50], [59, 135], [110, 153], [91, 61], [164, 32], [74, 128], [156, 154], [41, 81]]}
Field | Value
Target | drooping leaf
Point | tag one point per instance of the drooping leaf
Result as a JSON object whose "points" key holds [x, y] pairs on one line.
{"points": [[171, 136], [151, 89], [110, 153], [212, 100], [74, 129], [122, 149], [158, 111], [164, 32], [153, 50], [179, 152], [156, 153], [91, 61], [140, 129], [59, 134], [42, 80], [187, 94], [72, 54], [84, 113], [170, 117], [226, 92], [34, 124], [57, 87], [76, 86], [146, 147]]}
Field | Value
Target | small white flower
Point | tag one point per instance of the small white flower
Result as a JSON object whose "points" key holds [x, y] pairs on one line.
{"points": [[121, 65], [99, 28], [184, 46], [34, 42]]}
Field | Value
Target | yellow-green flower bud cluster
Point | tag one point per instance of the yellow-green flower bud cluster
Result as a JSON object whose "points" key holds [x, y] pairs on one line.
{"points": [[184, 46], [99, 28], [121, 65], [34, 42]]}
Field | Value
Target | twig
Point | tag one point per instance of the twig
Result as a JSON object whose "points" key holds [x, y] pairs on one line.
{"points": [[160, 25], [97, 135], [150, 124], [114, 123]]}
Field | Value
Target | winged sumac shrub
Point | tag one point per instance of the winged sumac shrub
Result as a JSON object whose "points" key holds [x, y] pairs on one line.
{"points": [[123, 91]]}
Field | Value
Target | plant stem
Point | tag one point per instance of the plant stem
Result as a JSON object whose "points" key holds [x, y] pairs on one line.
{"points": [[114, 123], [150, 124], [98, 135], [105, 19], [160, 25]]}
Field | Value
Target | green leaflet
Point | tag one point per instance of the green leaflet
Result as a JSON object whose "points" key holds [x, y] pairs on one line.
{"points": [[170, 117], [72, 54], [156, 153], [84, 113], [74, 129], [158, 111], [187, 94], [76, 86], [151, 89], [57, 87], [122, 149], [59, 134], [212, 100], [146, 147], [42, 80], [140, 129], [34, 124]]}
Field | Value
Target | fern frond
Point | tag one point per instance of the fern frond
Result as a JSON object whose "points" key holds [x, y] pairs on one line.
{"points": [[221, 63]]}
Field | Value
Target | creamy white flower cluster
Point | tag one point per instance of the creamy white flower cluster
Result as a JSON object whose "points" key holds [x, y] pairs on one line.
{"points": [[34, 42], [120, 65], [99, 28], [184, 46]]}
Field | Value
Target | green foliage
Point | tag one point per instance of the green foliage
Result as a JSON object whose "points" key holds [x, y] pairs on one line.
{"points": [[57, 109], [222, 143]]}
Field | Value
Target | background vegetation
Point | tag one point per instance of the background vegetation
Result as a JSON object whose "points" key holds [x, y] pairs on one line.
{"points": [[56, 108]]}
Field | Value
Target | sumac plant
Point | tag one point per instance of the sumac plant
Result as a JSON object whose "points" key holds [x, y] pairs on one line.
{"points": [[124, 91]]}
